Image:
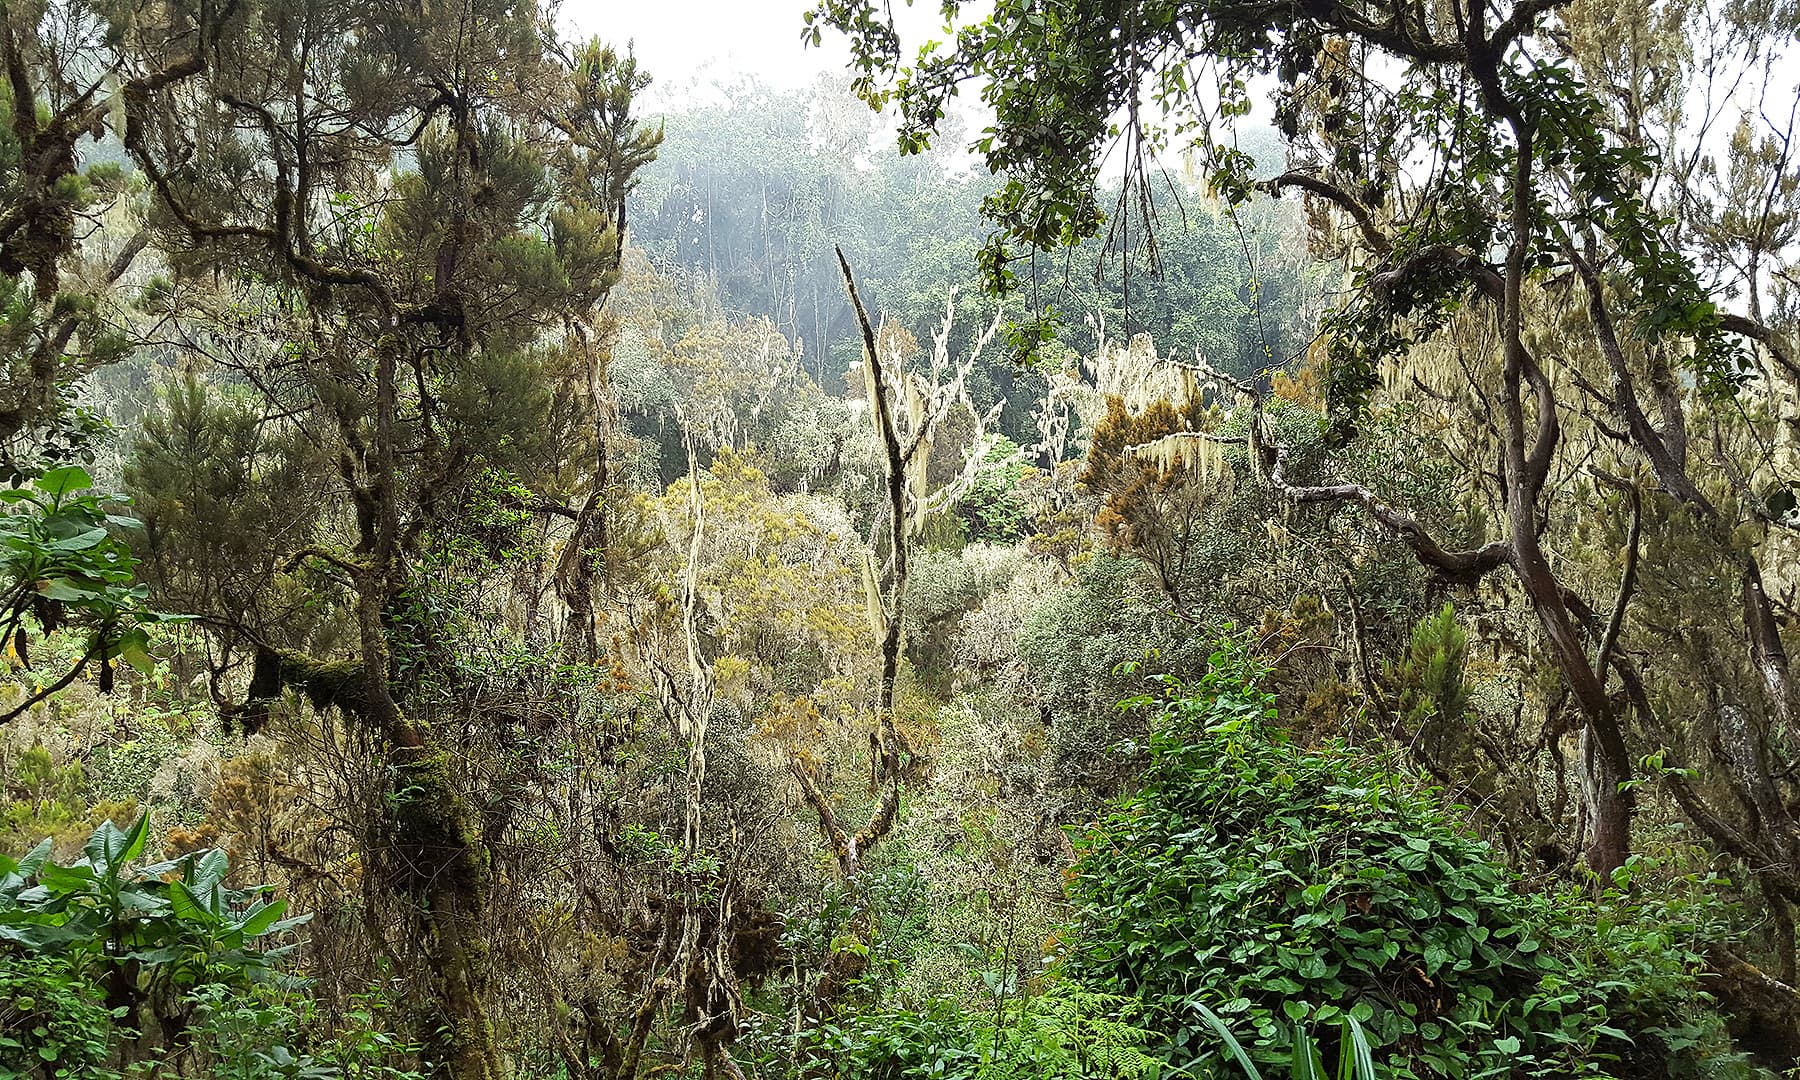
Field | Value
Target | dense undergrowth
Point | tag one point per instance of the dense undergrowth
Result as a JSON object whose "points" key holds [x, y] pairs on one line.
{"points": [[1258, 904], [1286, 887], [447, 633]]}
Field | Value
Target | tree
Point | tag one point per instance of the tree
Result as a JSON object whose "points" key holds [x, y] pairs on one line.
{"points": [[1559, 193], [906, 445], [67, 64], [62, 255], [375, 218]]}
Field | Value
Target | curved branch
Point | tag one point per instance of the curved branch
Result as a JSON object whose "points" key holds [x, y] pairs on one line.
{"points": [[1337, 196], [1463, 567], [54, 688], [1765, 336]]}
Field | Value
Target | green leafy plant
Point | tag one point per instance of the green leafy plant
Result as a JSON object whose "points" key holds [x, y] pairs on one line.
{"points": [[1275, 889], [52, 1023], [1429, 677], [260, 1033], [1356, 1061], [145, 935], [61, 565], [992, 509], [1065, 1033]]}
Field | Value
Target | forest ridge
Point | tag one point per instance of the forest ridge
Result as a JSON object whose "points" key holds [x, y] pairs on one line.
{"points": [[1285, 567]]}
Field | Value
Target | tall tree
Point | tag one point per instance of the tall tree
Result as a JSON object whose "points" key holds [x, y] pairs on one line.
{"points": [[376, 218]]}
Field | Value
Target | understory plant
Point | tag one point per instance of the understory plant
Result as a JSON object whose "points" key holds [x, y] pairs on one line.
{"points": [[1063, 1033], [1283, 895], [115, 965]]}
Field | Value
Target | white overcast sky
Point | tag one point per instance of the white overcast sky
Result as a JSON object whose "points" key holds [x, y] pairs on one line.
{"points": [[679, 40]]}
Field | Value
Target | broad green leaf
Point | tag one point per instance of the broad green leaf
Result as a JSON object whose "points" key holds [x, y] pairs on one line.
{"points": [[40, 936], [69, 591], [285, 925], [162, 955], [209, 870], [81, 541], [63, 480], [186, 906], [101, 846], [261, 919], [135, 839], [141, 661], [14, 874]]}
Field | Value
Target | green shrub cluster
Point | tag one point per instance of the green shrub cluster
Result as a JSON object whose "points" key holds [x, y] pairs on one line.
{"points": [[111, 965], [1063, 1034], [1283, 889]]}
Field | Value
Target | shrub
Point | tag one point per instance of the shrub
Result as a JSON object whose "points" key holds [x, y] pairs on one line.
{"points": [[1285, 889], [993, 510], [52, 1023], [1062, 1034], [142, 938]]}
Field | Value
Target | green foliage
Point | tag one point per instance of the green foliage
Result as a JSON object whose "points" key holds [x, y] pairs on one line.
{"points": [[44, 798], [1064, 1033], [223, 494], [1429, 677], [60, 562], [259, 1034], [993, 510], [1057, 81], [1356, 1060], [94, 951], [152, 932], [881, 918], [1072, 647], [1288, 889], [52, 1023]]}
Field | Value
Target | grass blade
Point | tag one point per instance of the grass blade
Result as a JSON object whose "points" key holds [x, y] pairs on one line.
{"points": [[1231, 1043]]}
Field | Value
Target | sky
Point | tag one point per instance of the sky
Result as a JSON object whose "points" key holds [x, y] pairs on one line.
{"points": [[677, 40]]}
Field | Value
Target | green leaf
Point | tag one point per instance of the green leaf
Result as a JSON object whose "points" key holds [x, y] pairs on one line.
{"points": [[67, 591], [101, 846], [261, 919], [64, 479], [81, 541], [1358, 1040], [1237, 1050], [210, 869], [186, 906], [1307, 1065], [15, 874]]}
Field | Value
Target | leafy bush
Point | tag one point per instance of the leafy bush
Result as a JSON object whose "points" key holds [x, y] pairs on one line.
{"points": [[863, 935], [1071, 648], [1063, 1034], [141, 938], [174, 921], [993, 510], [1285, 889], [52, 1023], [61, 563], [251, 1034]]}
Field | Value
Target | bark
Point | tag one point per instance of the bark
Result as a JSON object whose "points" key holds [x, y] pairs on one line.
{"points": [[1763, 1012], [888, 748]]}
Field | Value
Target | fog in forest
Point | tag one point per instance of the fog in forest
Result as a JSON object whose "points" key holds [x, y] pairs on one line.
{"points": [[1088, 541]]}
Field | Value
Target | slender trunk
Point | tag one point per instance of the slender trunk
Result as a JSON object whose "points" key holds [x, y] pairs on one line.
{"points": [[437, 859]]}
